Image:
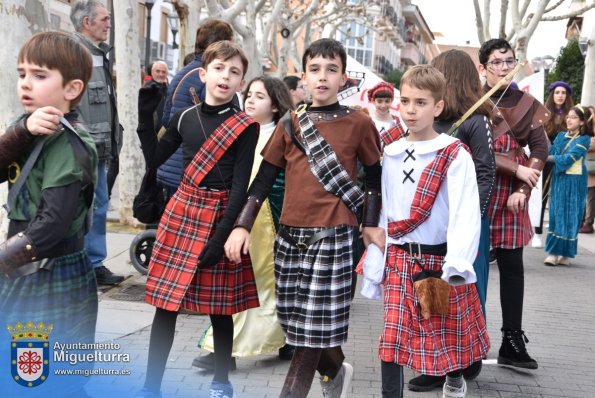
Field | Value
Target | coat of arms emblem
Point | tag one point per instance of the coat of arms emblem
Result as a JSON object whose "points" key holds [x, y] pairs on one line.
{"points": [[29, 353]]}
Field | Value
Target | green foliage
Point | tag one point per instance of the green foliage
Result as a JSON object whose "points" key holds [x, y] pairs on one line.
{"points": [[394, 77], [570, 68]]}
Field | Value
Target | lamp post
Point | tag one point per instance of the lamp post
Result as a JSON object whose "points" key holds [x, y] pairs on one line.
{"points": [[173, 25], [148, 5]]}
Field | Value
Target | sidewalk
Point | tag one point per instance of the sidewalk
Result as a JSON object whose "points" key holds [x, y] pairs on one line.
{"points": [[559, 319]]}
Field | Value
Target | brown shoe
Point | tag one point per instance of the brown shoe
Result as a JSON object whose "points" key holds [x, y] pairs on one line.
{"points": [[586, 229]]}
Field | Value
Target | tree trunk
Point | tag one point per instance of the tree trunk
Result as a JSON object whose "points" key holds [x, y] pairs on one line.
{"points": [[132, 164], [18, 24], [588, 93], [189, 12], [284, 56]]}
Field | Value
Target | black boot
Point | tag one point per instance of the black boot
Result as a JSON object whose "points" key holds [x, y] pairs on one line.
{"points": [[513, 351]]}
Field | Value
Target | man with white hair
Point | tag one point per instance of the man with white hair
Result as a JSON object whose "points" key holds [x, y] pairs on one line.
{"points": [[98, 109]]}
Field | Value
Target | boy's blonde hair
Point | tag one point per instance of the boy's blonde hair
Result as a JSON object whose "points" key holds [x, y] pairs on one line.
{"points": [[425, 77], [61, 52], [224, 50]]}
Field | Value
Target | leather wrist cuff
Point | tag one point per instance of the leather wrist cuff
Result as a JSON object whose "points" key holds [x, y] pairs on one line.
{"points": [[505, 165], [372, 206], [14, 142], [249, 212], [16, 251], [522, 187]]}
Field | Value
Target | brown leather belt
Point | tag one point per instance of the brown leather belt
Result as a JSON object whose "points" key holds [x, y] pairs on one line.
{"points": [[305, 244]]}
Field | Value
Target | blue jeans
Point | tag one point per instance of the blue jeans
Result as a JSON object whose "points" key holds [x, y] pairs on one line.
{"points": [[96, 238], [482, 262]]}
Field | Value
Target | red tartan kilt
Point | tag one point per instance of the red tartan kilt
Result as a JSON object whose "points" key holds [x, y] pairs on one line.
{"points": [[175, 280], [508, 230], [434, 346]]}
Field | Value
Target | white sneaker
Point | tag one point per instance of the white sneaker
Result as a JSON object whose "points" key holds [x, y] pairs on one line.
{"points": [[337, 387], [453, 392], [551, 260], [563, 260], [537, 242]]}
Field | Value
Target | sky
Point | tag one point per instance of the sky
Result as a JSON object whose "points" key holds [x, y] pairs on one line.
{"points": [[459, 27]]}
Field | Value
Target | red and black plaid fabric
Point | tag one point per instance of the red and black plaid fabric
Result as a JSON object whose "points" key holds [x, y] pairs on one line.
{"points": [[508, 230], [435, 346], [188, 222], [393, 134], [427, 189]]}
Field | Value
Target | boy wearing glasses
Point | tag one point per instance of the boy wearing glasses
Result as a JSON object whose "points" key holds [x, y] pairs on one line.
{"points": [[518, 120]]}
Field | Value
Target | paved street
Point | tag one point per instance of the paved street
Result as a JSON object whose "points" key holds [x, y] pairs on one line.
{"points": [[559, 319]]}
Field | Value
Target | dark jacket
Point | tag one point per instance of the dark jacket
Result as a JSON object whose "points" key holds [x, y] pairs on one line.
{"points": [[475, 132], [97, 107], [170, 173]]}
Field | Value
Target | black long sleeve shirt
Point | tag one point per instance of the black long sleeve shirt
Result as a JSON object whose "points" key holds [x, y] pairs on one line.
{"points": [[190, 128]]}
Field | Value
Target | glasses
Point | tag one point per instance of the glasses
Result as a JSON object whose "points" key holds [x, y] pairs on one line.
{"points": [[499, 63], [572, 117]]}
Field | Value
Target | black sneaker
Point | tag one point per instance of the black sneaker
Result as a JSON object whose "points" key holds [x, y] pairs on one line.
{"points": [[423, 383], [106, 277], [207, 362], [286, 352]]}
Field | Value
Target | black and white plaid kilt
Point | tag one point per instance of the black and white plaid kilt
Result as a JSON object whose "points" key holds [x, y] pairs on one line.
{"points": [[313, 287]]}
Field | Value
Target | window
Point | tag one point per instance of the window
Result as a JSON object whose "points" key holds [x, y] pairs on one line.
{"points": [[358, 42]]}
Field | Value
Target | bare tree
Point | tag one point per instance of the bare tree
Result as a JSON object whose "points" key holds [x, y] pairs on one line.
{"points": [[523, 23], [132, 164], [189, 12], [588, 92], [20, 20]]}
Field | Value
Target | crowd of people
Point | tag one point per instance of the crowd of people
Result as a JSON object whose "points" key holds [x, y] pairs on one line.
{"points": [[269, 193]]}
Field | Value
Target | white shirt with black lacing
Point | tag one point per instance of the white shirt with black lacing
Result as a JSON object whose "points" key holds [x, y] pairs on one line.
{"points": [[455, 216]]}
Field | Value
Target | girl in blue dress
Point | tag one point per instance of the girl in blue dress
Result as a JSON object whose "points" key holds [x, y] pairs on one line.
{"points": [[568, 186]]}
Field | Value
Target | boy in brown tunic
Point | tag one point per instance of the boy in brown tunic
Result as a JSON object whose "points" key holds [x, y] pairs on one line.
{"points": [[318, 146]]}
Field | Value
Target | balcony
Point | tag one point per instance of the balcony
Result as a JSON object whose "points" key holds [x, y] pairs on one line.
{"points": [[410, 55]]}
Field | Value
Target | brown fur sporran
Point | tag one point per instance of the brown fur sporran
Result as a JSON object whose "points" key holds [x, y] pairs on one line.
{"points": [[433, 295]]}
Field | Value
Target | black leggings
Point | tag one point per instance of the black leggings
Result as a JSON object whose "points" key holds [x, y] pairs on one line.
{"points": [[162, 338], [512, 287]]}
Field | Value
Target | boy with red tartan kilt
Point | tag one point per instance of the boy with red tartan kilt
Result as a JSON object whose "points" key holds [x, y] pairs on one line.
{"points": [[430, 200], [319, 147], [187, 268]]}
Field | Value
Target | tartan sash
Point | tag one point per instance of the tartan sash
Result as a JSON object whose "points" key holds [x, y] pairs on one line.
{"points": [[325, 165], [392, 134], [214, 147], [425, 194]]}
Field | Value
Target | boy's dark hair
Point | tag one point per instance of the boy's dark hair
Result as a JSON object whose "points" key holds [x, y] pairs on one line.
{"points": [[189, 58], [584, 114], [326, 48], [425, 77], [493, 45], [463, 87], [224, 50], [291, 82], [59, 51], [277, 91], [211, 31]]}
